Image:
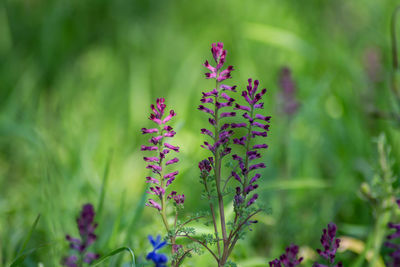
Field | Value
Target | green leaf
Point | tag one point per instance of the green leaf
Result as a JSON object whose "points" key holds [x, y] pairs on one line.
{"points": [[28, 236], [20, 259], [115, 252], [104, 184]]}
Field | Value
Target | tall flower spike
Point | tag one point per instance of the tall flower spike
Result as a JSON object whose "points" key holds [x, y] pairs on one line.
{"points": [[330, 244], [159, 259], [395, 255], [86, 226], [257, 126], [159, 161], [288, 259], [288, 95], [220, 100]]}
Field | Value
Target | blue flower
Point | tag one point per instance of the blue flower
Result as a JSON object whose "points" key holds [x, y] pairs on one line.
{"points": [[158, 258]]}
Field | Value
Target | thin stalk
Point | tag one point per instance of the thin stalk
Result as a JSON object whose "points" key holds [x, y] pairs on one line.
{"points": [[246, 164], [162, 198], [382, 219], [213, 217], [395, 60], [163, 202], [217, 171]]}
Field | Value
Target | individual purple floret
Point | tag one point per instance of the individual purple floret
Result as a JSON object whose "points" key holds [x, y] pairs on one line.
{"points": [[289, 259], [288, 94], [159, 259], [86, 226], [257, 125], [330, 244], [158, 163], [395, 255]]}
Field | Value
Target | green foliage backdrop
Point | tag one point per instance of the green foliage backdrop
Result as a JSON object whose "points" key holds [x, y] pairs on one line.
{"points": [[77, 78]]}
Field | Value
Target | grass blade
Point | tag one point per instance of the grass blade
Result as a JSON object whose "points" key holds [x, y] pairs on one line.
{"points": [[138, 213], [20, 259], [104, 184], [115, 252], [28, 236]]}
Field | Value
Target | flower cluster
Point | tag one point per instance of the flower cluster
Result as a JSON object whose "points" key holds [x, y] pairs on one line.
{"points": [[86, 228], [330, 244], [220, 99], [156, 163], [288, 259], [288, 95], [159, 259], [395, 255], [257, 125]]}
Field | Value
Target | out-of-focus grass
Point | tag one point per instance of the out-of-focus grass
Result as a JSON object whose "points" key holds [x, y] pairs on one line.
{"points": [[77, 78]]}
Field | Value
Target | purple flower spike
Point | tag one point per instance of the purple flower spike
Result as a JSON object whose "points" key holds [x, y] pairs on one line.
{"points": [[395, 255], [288, 95], [220, 100], [330, 244], [86, 226], [159, 163], [289, 259]]}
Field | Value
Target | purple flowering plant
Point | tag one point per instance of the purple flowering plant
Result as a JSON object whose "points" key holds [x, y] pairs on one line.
{"points": [[288, 259], [243, 163], [329, 242], [161, 164], [79, 246], [330, 245]]}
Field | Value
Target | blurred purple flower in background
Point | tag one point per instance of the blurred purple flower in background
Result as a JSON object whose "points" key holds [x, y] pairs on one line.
{"points": [[288, 94], [86, 226], [289, 259], [372, 60], [395, 255], [330, 244]]}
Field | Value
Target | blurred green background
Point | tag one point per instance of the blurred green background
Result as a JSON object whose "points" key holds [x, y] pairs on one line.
{"points": [[77, 78]]}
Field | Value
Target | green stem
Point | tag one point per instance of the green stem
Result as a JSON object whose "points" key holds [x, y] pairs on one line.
{"points": [[382, 219], [217, 171], [162, 198], [395, 60], [246, 175]]}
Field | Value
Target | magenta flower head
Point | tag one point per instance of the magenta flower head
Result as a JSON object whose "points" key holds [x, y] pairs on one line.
{"points": [[86, 226], [288, 95], [289, 259], [219, 100], [257, 126], [160, 161], [395, 255], [330, 244]]}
